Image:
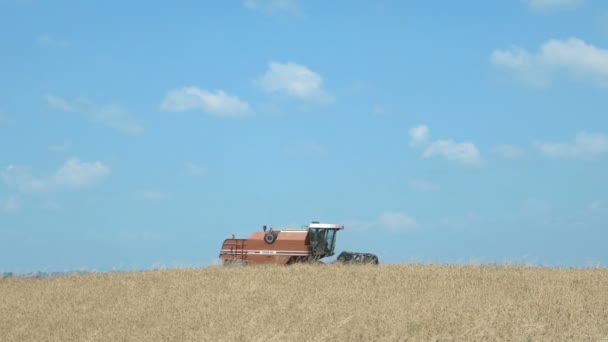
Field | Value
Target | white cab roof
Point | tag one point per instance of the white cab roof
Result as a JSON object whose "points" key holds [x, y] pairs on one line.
{"points": [[326, 226]]}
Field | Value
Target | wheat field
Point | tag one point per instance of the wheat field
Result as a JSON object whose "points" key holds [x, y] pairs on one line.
{"points": [[407, 302]]}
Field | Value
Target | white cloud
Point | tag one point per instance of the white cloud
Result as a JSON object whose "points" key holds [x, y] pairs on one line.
{"points": [[574, 57], [585, 146], [21, 178], [392, 221], [419, 135], [273, 6], [466, 152], [58, 103], [294, 80], [515, 58], [72, 174], [76, 174], [508, 151], [596, 205], [422, 185], [309, 148], [113, 116], [463, 152], [545, 5], [219, 103], [9, 204]]}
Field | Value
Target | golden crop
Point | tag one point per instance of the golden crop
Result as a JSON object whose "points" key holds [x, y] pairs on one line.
{"points": [[311, 303]]}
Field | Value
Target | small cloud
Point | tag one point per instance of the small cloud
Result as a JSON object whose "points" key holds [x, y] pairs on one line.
{"points": [[463, 152], [58, 103], [585, 146], [47, 40], [273, 6], [72, 174], [296, 81], [549, 5], [573, 57], [422, 185], [9, 204], [196, 170], [113, 116], [309, 148], [77, 174], [20, 177], [419, 135], [596, 205], [219, 103], [150, 196], [508, 151]]}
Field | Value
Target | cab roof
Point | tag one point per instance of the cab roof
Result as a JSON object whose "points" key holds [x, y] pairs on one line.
{"points": [[326, 225]]}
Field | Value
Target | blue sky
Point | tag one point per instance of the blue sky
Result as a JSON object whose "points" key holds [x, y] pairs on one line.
{"points": [[134, 136]]}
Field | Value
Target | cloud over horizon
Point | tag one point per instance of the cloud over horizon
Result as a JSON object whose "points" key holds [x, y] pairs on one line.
{"points": [[573, 57], [113, 116], [462, 152], [72, 174], [219, 104], [585, 146], [295, 80]]}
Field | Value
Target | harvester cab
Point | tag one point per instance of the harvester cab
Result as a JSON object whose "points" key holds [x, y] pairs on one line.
{"points": [[322, 238]]}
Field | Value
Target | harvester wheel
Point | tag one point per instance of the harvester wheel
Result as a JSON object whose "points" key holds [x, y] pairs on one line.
{"points": [[269, 238]]}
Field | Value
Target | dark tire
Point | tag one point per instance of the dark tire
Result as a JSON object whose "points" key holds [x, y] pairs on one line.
{"points": [[270, 238]]}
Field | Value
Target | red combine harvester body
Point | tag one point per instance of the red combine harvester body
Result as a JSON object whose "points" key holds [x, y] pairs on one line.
{"points": [[287, 246]]}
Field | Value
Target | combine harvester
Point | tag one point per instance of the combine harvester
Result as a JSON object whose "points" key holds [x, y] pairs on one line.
{"points": [[289, 246]]}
